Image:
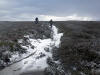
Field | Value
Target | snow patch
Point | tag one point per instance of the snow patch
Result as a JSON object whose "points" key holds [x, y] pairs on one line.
{"points": [[38, 56]]}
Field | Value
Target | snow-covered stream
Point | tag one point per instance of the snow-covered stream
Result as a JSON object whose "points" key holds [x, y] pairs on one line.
{"points": [[37, 61]]}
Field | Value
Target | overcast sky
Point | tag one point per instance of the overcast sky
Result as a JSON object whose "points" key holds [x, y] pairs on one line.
{"points": [[18, 10]]}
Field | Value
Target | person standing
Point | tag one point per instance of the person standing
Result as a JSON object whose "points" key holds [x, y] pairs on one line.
{"points": [[51, 23], [36, 20]]}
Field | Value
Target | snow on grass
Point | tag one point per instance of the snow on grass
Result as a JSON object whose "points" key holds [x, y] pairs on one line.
{"points": [[38, 59]]}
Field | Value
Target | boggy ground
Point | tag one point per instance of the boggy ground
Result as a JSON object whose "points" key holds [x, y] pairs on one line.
{"points": [[79, 52]]}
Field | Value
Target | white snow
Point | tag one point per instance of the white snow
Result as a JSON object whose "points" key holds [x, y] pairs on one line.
{"points": [[37, 61]]}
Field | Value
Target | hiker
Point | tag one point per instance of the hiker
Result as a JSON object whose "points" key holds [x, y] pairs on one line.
{"points": [[51, 22], [36, 20]]}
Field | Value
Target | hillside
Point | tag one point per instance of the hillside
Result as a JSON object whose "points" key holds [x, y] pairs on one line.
{"points": [[78, 53]]}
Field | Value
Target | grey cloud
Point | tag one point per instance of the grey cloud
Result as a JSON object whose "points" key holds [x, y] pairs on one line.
{"points": [[14, 8]]}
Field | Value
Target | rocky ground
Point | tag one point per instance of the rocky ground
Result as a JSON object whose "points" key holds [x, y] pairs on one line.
{"points": [[79, 51]]}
